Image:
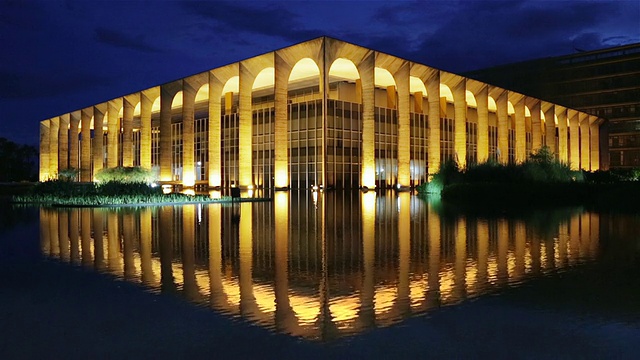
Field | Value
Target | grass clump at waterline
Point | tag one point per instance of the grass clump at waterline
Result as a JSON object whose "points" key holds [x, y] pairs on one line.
{"points": [[67, 193], [539, 180]]}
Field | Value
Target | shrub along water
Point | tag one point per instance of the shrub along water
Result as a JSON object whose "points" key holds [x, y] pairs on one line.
{"points": [[135, 174], [541, 179], [61, 192]]}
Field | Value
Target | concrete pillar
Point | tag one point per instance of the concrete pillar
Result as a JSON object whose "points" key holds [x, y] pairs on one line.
{"points": [[63, 142], [368, 172], [550, 128], [190, 286], [45, 236], [595, 143], [460, 122], [45, 139], [129, 269], [54, 234], [503, 251], [85, 151], [520, 131], [574, 140], [284, 317], [54, 129], [483, 255], [188, 134], [113, 132], [520, 239], [434, 246], [146, 104], [146, 269], [367, 294], [74, 144], [218, 298], [281, 161], [245, 133], [85, 236], [502, 113], [248, 306], [433, 94], [63, 239], [129, 103], [166, 221], [74, 235], [404, 252], [98, 243], [404, 125], [563, 151], [460, 267], [113, 238], [536, 126], [584, 142], [215, 131], [98, 135], [482, 99], [166, 99]]}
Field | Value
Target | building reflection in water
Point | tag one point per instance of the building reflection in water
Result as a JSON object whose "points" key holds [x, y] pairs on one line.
{"points": [[318, 265]]}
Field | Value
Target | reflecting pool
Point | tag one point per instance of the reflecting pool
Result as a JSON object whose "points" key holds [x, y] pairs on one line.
{"points": [[323, 265]]}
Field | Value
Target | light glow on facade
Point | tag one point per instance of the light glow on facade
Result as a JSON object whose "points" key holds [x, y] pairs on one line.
{"points": [[279, 121]]}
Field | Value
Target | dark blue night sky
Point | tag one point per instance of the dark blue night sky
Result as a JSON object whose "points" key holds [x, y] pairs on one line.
{"points": [[60, 56]]}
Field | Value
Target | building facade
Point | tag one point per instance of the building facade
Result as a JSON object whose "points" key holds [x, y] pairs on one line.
{"points": [[323, 113], [604, 83]]}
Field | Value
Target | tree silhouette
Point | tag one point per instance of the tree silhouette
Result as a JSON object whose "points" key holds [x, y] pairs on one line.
{"points": [[17, 162]]}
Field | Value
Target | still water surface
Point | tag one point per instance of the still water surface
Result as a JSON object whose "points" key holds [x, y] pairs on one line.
{"points": [[323, 266]]}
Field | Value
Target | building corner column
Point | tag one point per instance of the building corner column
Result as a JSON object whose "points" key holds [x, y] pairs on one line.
{"points": [[404, 125], [460, 120], [281, 159]]}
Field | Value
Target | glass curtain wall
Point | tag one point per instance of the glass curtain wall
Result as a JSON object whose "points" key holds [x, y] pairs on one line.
{"points": [[176, 151], [230, 138], [471, 143], [447, 133], [263, 146], [386, 146], [419, 148], [201, 148], [344, 142], [305, 143]]}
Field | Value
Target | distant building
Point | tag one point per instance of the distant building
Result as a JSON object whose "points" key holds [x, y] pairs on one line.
{"points": [[604, 83], [322, 113]]}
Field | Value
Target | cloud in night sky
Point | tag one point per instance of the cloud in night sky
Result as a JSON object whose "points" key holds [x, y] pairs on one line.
{"points": [[119, 39], [76, 53]]}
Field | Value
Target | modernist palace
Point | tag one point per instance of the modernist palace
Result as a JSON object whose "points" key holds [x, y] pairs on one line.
{"points": [[323, 113]]}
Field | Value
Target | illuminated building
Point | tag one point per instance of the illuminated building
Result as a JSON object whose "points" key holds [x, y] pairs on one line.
{"points": [[604, 83], [320, 113]]}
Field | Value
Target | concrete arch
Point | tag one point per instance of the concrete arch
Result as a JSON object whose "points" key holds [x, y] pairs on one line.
{"points": [[510, 109], [365, 61], [383, 78], [305, 68], [224, 80], [492, 106], [266, 78], [344, 69], [445, 92], [202, 93], [417, 85], [191, 86], [470, 99]]}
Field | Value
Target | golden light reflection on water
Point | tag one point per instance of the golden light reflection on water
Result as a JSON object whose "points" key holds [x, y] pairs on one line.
{"points": [[317, 265]]}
